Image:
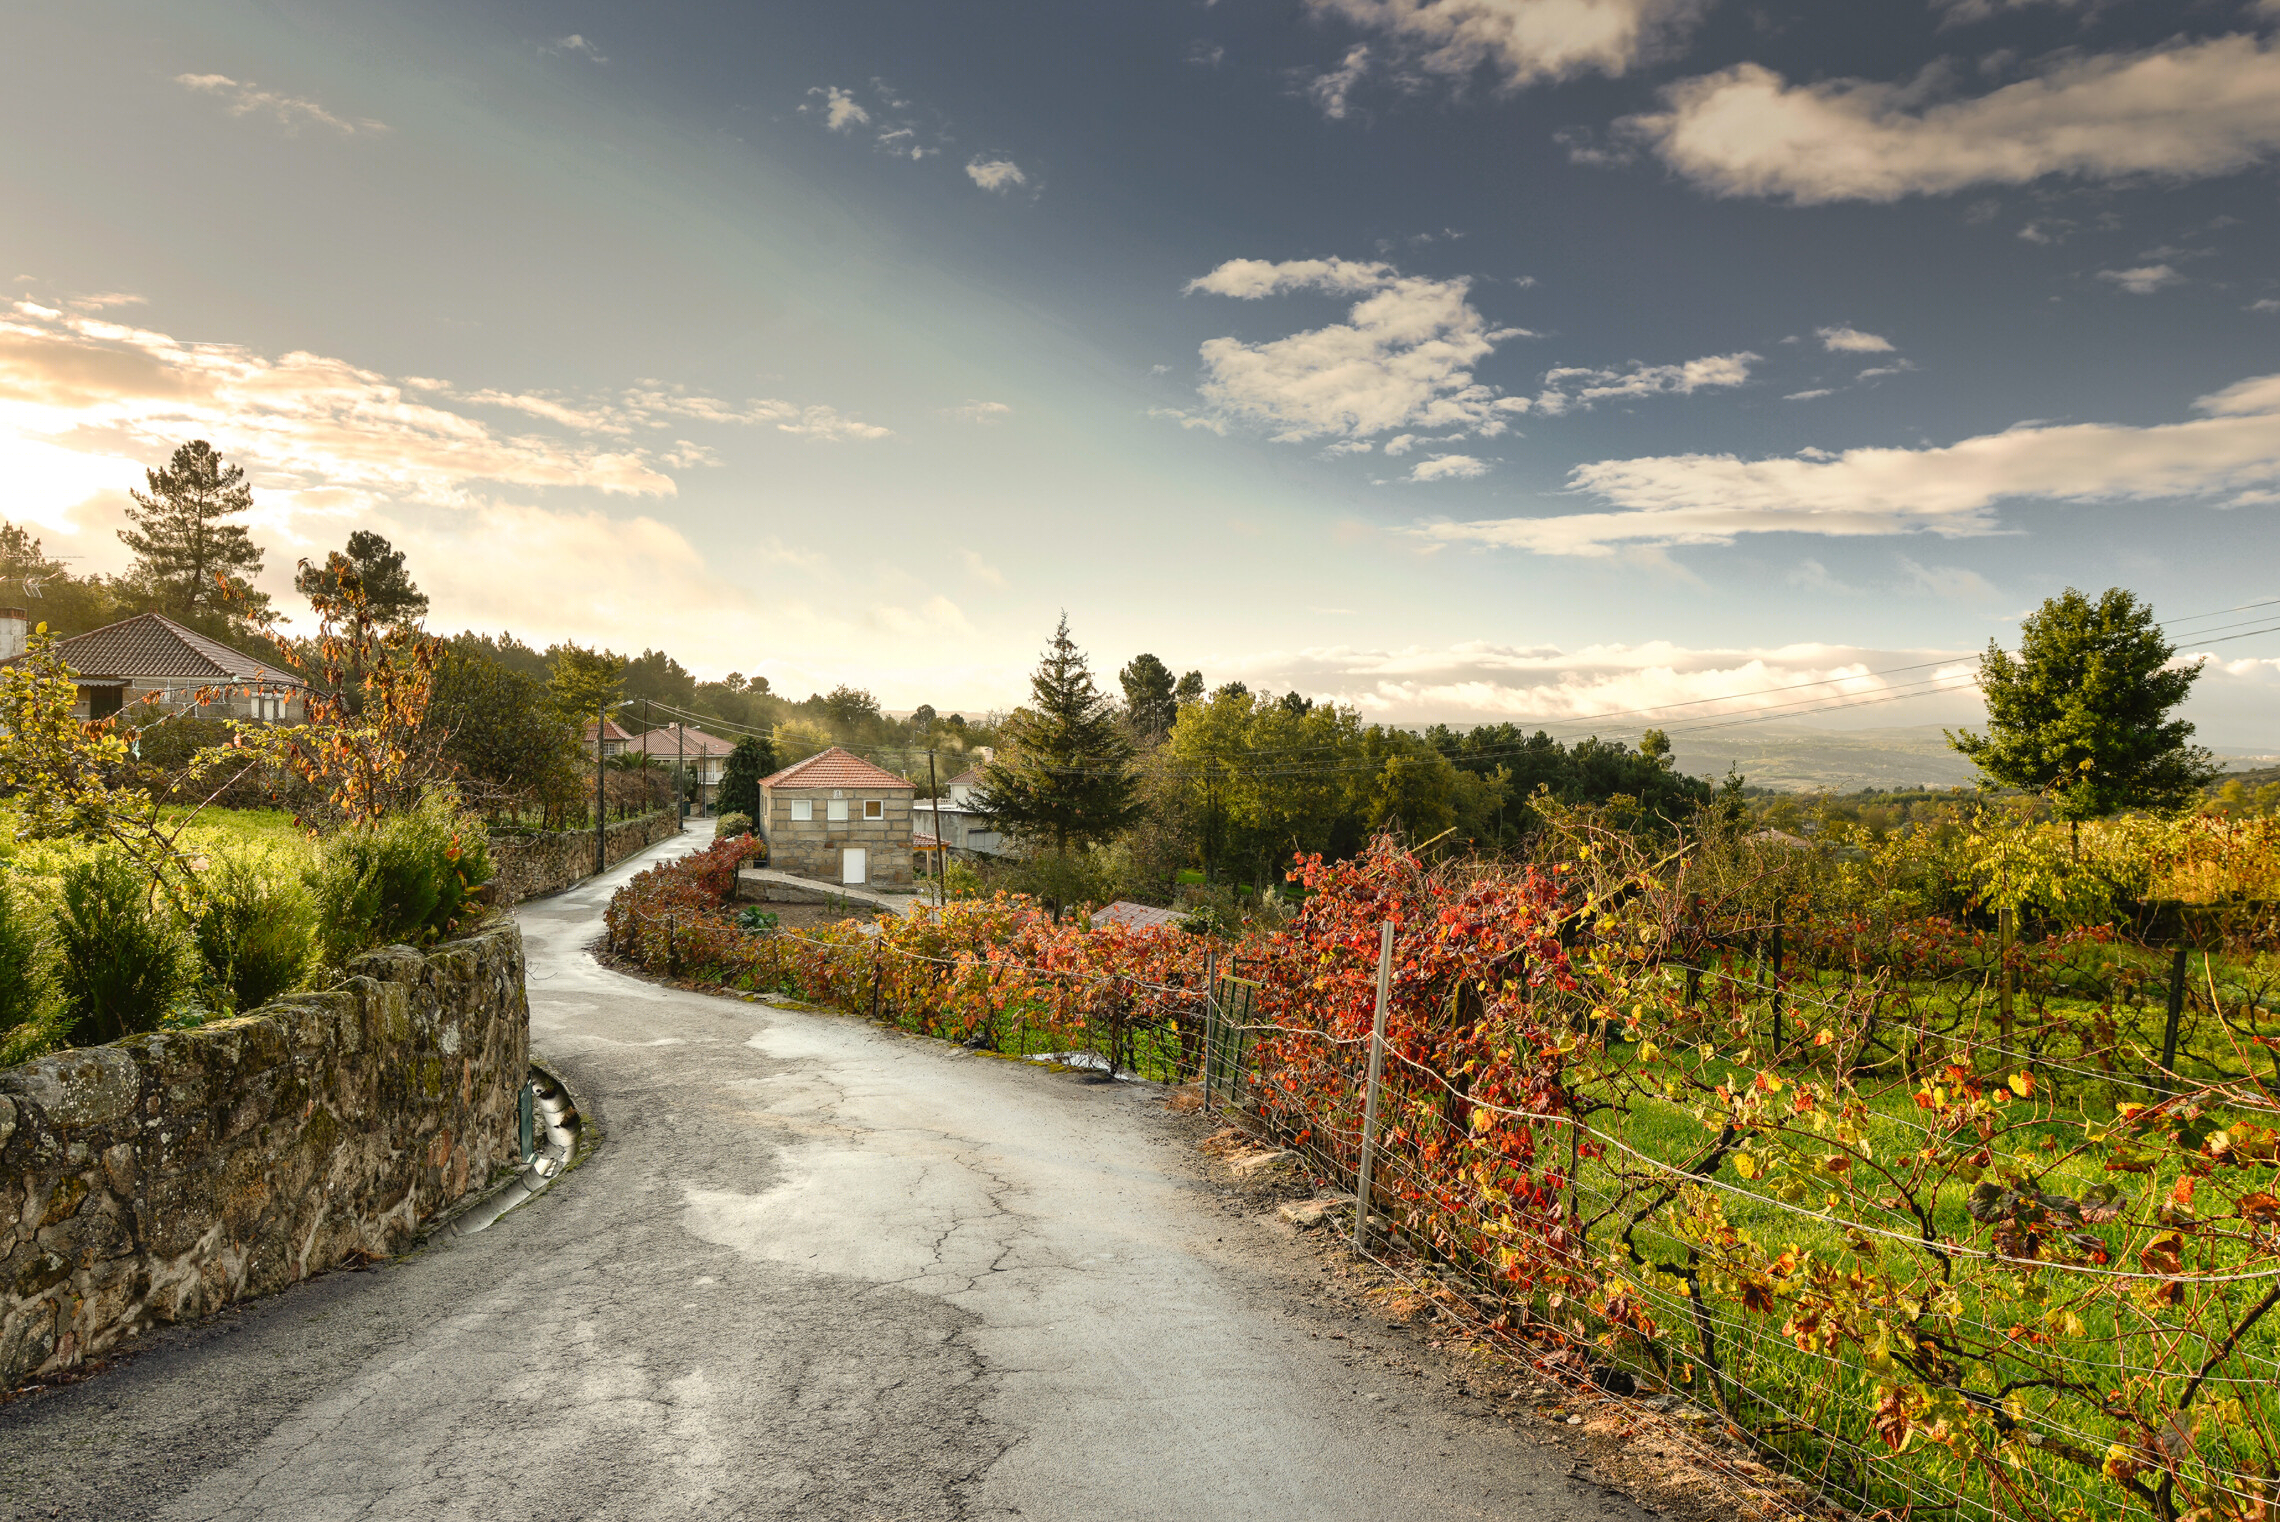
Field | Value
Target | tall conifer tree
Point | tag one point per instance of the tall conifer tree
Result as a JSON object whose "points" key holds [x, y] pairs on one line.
{"points": [[184, 550], [1065, 775]]}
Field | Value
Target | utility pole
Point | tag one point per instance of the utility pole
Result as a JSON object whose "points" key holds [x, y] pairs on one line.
{"points": [[601, 722], [941, 851], [680, 768]]}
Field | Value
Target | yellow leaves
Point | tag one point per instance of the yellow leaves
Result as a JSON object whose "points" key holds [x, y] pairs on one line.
{"points": [[1649, 1052], [1746, 1165], [2023, 1084]]}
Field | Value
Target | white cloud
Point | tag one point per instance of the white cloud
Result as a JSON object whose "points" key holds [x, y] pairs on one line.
{"points": [[1357, 446], [841, 111], [1961, 12], [1572, 387], [1807, 396], [2230, 456], [822, 424], [292, 112], [1520, 42], [1000, 175], [981, 570], [981, 412], [1331, 89], [1602, 688], [1206, 55], [2180, 111], [1449, 467], [2264, 304], [574, 43], [1851, 340], [1402, 358], [84, 401], [1953, 583], [2143, 280], [1401, 443]]}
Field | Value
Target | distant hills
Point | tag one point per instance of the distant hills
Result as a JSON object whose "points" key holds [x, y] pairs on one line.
{"points": [[1798, 758]]}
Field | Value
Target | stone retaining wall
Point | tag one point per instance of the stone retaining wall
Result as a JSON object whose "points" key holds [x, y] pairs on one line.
{"points": [[161, 1178], [529, 866]]}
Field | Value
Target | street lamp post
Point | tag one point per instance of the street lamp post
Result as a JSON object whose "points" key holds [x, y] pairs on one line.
{"points": [[601, 817]]}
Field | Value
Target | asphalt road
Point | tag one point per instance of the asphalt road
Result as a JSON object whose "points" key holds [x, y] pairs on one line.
{"points": [[817, 1270]]}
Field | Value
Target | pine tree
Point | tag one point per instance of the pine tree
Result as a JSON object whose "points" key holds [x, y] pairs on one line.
{"points": [[1148, 699], [1065, 774], [193, 560], [395, 599], [2082, 712]]}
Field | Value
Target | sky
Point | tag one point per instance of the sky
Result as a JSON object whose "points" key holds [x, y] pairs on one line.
{"points": [[1580, 362]]}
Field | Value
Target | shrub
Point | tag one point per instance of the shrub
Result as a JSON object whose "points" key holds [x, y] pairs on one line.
{"points": [[122, 957], [732, 823], [757, 918], [406, 878], [255, 932], [24, 985]]}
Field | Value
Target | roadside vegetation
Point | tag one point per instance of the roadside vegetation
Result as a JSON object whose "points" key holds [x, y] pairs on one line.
{"points": [[1932, 1142]]}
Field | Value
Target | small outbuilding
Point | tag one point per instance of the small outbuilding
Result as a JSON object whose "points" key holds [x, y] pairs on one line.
{"points": [[837, 817]]}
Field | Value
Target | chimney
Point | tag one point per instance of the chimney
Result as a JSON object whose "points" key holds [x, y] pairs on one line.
{"points": [[15, 632]]}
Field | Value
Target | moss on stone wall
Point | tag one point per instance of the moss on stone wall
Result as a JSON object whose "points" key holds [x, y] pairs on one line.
{"points": [[159, 1179]]}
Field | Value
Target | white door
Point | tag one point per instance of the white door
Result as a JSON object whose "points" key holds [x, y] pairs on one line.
{"points": [[855, 865]]}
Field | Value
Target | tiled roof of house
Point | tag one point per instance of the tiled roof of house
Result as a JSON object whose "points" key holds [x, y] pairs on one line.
{"points": [[153, 645], [970, 777], [671, 740], [610, 731], [1134, 916], [834, 768]]}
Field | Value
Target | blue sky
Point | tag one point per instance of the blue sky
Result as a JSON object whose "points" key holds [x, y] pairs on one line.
{"points": [[1460, 359]]}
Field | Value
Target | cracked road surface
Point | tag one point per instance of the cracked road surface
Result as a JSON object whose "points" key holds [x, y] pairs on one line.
{"points": [[817, 1270]]}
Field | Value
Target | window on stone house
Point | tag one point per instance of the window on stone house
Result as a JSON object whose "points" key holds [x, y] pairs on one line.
{"points": [[836, 811], [874, 809], [803, 810]]}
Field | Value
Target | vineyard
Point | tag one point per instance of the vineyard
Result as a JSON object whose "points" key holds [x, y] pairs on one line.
{"points": [[1942, 1167]]}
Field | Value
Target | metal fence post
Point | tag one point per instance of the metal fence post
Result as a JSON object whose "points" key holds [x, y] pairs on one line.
{"points": [[1370, 1094], [2176, 1014], [1210, 1024]]}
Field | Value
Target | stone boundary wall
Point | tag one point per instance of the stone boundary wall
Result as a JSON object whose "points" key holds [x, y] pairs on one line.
{"points": [[160, 1179], [530, 866]]}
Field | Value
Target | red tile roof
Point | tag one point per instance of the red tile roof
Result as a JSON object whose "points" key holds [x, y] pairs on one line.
{"points": [[835, 768], [670, 740], [970, 777], [153, 645], [610, 731]]}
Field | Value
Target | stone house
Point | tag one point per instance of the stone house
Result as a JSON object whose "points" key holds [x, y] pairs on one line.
{"points": [[149, 666], [837, 817]]}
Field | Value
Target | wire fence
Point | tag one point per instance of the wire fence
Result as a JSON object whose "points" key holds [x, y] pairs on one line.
{"points": [[1951, 1223]]}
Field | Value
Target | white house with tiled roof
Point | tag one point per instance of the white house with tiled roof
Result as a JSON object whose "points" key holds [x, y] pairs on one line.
{"points": [[837, 817], [704, 756], [149, 665]]}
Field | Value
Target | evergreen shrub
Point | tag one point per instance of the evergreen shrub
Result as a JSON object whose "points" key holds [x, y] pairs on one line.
{"points": [[255, 933], [406, 879], [122, 959]]}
